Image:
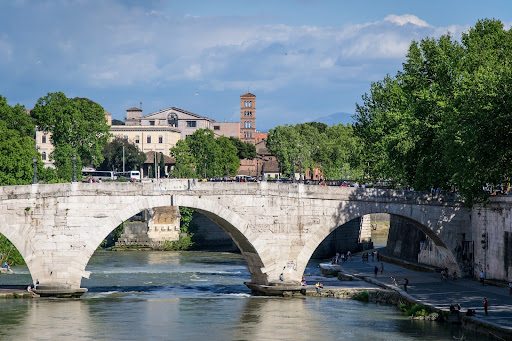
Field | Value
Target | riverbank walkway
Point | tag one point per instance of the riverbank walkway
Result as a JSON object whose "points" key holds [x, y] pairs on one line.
{"points": [[429, 289]]}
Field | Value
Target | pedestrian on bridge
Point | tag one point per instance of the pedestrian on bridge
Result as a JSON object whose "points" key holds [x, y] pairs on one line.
{"points": [[486, 305], [381, 268], [406, 282], [375, 271]]}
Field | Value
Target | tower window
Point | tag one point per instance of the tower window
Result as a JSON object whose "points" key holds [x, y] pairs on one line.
{"points": [[247, 124], [191, 124]]}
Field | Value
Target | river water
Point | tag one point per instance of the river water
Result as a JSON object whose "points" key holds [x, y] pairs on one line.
{"points": [[196, 296]]}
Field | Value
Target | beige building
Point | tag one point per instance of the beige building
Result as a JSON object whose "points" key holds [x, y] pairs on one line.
{"points": [[149, 138], [227, 129], [45, 147], [183, 121]]}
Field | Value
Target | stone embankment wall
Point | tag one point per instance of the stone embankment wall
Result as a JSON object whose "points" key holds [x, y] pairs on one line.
{"points": [[404, 239], [492, 235], [210, 236]]}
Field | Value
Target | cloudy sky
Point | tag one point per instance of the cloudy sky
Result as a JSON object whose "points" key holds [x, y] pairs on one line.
{"points": [[303, 59]]}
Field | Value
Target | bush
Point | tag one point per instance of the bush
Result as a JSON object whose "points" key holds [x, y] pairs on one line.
{"points": [[418, 310], [363, 296], [184, 243]]}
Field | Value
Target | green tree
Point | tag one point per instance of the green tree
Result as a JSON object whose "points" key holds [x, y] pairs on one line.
{"points": [[17, 145], [201, 154], [227, 161], [335, 150], [113, 155], [445, 119], [9, 253], [162, 165], [184, 167], [78, 127], [245, 150]]}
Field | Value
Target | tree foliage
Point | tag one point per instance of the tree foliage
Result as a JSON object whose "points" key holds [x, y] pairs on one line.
{"points": [[445, 119], [335, 150], [202, 155], [17, 145], [113, 155], [78, 127], [245, 150]]}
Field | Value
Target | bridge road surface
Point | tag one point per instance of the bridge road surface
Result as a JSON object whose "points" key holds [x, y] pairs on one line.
{"points": [[431, 290]]}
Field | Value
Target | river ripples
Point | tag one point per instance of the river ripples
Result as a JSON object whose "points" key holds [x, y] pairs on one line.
{"points": [[196, 296]]}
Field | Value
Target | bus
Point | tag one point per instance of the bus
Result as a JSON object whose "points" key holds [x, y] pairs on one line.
{"points": [[98, 175], [131, 175]]}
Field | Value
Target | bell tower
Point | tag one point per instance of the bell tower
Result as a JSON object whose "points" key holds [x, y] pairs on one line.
{"points": [[248, 118]]}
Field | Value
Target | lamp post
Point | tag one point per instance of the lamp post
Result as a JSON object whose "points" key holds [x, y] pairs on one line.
{"points": [[301, 180], [293, 171], [74, 168], [34, 160]]}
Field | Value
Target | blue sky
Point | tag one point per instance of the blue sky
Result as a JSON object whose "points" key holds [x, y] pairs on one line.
{"points": [[303, 59]]}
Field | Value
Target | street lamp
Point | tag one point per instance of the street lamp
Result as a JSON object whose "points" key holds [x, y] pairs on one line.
{"points": [[293, 171], [34, 160], [301, 180], [74, 168]]}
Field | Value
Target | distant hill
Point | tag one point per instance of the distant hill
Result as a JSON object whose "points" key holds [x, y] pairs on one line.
{"points": [[336, 118]]}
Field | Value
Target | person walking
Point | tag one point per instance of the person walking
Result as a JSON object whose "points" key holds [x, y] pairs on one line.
{"points": [[486, 305], [382, 269], [482, 277], [375, 271], [406, 282]]}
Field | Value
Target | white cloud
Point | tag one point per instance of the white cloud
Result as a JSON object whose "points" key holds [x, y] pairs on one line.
{"points": [[406, 19]]}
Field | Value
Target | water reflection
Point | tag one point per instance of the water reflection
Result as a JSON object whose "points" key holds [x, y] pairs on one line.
{"points": [[197, 296]]}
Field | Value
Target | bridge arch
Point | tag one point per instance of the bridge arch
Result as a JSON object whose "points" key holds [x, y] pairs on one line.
{"points": [[232, 223], [344, 215]]}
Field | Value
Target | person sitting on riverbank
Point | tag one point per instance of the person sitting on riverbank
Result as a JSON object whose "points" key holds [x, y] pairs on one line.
{"points": [[303, 282], [30, 290], [319, 286], [281, 277], [6, 266], [36, 284]]}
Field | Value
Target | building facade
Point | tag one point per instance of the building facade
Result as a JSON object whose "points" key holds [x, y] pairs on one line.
{"points": [[149, 138], [248, 118]]}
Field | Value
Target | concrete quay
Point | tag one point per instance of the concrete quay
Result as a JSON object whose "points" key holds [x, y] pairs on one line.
{"points": [[15, 291], [427, 288]]}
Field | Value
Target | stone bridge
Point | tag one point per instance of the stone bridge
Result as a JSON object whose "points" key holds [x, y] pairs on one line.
{"points": [[57, 227]]}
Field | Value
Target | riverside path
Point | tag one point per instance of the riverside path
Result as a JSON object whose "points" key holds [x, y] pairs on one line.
{"points": [[429, 289]]}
